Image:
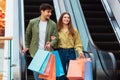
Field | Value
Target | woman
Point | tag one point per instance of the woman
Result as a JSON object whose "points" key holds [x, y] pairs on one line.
{"points": [[69, 40]]}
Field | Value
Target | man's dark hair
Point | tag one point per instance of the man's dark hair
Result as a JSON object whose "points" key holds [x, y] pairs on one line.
{"points": [[45, 6]]}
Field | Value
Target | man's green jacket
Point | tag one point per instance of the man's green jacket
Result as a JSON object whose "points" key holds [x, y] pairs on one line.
{"points": [[32, 35]]}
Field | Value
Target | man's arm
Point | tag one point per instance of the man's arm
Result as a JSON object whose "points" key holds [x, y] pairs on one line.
{"points": [[28, 36], [54, 37]]}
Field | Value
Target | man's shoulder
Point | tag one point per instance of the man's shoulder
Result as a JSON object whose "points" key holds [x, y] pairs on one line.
{"points": [[34, 19], [51, 21]]}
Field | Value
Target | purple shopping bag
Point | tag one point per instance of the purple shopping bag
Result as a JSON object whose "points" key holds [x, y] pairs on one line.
{"points": [[88, 75]]}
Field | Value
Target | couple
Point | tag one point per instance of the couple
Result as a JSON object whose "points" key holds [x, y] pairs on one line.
{"points": [[42, 33]]}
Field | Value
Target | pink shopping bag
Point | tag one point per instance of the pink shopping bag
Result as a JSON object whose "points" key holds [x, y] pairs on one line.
{"points": [[76, 69]]}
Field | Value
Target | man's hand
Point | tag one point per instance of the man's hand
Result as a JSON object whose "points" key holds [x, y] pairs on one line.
{"points": [[47, 46], [24, 50]]}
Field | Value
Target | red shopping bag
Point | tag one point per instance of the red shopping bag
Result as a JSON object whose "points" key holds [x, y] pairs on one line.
{"points": [[76, 69], [50, 71]]}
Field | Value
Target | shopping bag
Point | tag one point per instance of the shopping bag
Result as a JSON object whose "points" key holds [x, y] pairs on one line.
{"points": [[59, 67], [76, 69], [49, 73], [39, 62], [88, 75]]}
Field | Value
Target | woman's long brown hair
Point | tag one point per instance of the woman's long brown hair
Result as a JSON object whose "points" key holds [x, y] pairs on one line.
{"points": [[70, 26]]}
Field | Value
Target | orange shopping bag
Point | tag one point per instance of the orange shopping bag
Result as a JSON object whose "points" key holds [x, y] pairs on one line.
{"points": [[76, 69], [50, 72]]}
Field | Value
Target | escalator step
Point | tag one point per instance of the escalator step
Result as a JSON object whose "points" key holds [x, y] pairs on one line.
{"points": [[118, 64], [108, 45], [118, 73], [103, 37], [93, 7], [96, 14], [31, 15], [100, 29], [89, 1], [97, 21], [115, 52], [117, 55], [31, 8], [37, 2]]}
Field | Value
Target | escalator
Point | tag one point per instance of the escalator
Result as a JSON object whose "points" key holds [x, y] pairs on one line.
{"points": [[100, 28], [31, 10], [96, 18]]}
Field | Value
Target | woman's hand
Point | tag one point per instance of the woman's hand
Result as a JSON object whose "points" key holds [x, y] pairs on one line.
{"points": [[53, 37], [81, 55]]}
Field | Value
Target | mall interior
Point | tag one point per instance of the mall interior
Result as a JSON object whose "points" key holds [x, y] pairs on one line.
{"points": [[98, 23]]}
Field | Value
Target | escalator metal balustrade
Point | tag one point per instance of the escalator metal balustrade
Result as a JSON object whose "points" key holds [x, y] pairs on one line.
{"points": [[100, 28]]}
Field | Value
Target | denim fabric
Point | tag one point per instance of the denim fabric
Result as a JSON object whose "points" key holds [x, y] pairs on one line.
{"points": [[66, 55], [36, 76]]}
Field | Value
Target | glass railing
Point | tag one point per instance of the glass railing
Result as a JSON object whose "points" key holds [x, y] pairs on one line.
{"points": [[5, 58]]}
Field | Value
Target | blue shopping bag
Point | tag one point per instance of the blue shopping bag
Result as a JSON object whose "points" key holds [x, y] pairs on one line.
{"points": [[39, 61], [59, 68], [88, 70]]}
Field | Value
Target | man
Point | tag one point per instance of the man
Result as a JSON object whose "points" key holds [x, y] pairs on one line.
{"points": [[41, 33]]}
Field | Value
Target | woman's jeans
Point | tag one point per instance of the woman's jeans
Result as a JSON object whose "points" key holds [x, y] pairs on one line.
{"points": [[66, 55]]}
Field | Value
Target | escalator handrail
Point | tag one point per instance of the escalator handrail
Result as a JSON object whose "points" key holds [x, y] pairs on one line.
{"points": [[114, 64], [79, 23], [110, 54], [22, 19], [112, 19], [57, 8], [62, 6], [85, 24], [22, 39], [99, 57]]}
